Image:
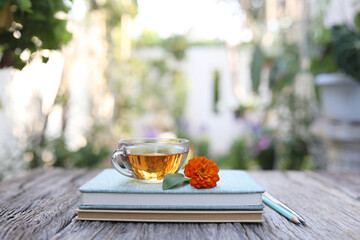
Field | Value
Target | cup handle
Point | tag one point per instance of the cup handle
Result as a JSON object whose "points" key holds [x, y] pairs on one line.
{"points": [[116, 165]]}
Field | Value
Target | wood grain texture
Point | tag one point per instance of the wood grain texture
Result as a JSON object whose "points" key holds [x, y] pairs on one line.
{"points": [[41, 205], [330, 213]]}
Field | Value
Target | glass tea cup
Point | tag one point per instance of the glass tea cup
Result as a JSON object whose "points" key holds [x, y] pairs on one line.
{"points": [[150, 159]]}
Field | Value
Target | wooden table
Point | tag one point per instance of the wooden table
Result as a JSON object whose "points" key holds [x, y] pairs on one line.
{"points": [[42, 205]]}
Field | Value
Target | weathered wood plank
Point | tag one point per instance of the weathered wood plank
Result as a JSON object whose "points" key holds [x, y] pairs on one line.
{"points": [[330, 213], [347, 182], [40, 204], [113, 230]]}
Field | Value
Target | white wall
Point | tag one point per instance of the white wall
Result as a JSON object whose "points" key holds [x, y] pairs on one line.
{"points": [[220, 128], [223, 128]]}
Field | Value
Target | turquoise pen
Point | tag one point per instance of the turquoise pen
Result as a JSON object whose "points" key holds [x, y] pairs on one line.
{"points": [[301, 219], [280, 210]]}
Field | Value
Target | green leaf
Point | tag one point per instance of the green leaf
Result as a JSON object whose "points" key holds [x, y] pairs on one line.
{"points": [[45, 59], [256, 67], [346, 43], [3, 3], [174, 180], [37, 15], [24, 5], [357, 20]]}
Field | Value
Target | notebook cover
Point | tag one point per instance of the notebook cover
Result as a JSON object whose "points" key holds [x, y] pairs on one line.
{"points": [[169, 207], [110, 181], [170, 216]]}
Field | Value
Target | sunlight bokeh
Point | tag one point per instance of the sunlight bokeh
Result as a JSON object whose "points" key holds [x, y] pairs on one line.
{"points": [[199, 20]]}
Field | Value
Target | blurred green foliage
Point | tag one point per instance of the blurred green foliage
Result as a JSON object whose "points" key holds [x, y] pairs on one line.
{"points": [[148, 38], [89, 156], [216, 90], [267, 157], [201, 147], [336, 48], [115, 9], [149, 86], [293, 152], [341, 52], [55, 152], [256, 67], [284, 68], [251, 151], [27, 25], [176, 45], [239, 156], [293, 144], [346, 44], [294, 112], [325, 63]]}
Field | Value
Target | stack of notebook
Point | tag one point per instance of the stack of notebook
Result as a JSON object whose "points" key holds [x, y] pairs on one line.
{"points": [[112, 197]]}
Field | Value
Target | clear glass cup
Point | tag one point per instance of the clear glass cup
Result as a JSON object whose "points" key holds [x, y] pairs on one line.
{"points": [[150, 159]]}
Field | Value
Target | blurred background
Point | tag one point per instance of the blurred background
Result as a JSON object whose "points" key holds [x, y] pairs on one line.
{"points": [[254, 84]]}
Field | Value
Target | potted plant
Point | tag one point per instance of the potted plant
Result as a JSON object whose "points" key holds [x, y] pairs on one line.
{"points": [[337, 71], [337, 76]]}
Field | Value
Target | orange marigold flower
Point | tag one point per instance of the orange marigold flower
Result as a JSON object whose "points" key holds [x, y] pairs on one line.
{"points": [[203, 172]]}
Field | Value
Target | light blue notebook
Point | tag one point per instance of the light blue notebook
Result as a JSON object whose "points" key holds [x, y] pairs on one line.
{"points": [[111, 190]]}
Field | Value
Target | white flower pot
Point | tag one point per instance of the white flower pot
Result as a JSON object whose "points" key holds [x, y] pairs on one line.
{"points": [[339, 96]]}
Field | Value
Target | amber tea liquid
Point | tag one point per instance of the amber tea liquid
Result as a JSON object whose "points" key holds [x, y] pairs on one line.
{"points": [[154, 162]]}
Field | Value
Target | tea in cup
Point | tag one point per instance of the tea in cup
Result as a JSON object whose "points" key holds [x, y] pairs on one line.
{"points": [[150, 159]]}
